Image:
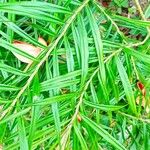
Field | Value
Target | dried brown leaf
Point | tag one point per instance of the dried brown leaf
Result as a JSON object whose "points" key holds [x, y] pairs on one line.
{"points": [[42, 41], [28, 48]]}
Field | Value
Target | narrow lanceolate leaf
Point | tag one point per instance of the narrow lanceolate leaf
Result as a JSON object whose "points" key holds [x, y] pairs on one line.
{"points": [[20, 32], [112, 82], [33, 13], [126, 85], [10, 33], [4, 87], [81, 138], [62, 78], [69, 55], [12, 70], [36, 110], [70, 61], [43, 6], [102, 132], [22, 134], [61, 81], [95, 100], [15, 115], [56, 85], [55, 106], [104, 107], [135, 22], [54, 99], [139, 55], [98, 43], [83, 47], [76, 39], [44, 30]]}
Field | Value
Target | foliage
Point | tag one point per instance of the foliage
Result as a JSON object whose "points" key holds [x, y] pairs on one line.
{"points": [[81, 92]]}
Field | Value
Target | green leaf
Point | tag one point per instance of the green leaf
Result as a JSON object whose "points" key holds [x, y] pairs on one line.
{"points": [[76, 39], [12, 70], [98, 43], [112, 82], [135, 22], [61, 81], [104, 107], [139, 55], [44, 30], [99, 130], [27, 10], [35, 5], [15, 115], [83, 46], [121, 3], [5, 87], [54, 99], [20, 32], [127, 86], [81, 138], [69, 55], [22, 134], [36, 110], [95, 100]]}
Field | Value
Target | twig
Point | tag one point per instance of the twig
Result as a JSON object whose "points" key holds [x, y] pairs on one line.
{"points": [[140, 9], [147, 37], [140, 43], [132, 117], [143, 17]]}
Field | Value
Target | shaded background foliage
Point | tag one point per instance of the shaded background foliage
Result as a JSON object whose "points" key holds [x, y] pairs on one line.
{"points": [[88, 89]]}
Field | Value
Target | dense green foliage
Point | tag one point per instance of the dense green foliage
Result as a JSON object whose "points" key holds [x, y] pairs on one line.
{"points": [[81, 92]]}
